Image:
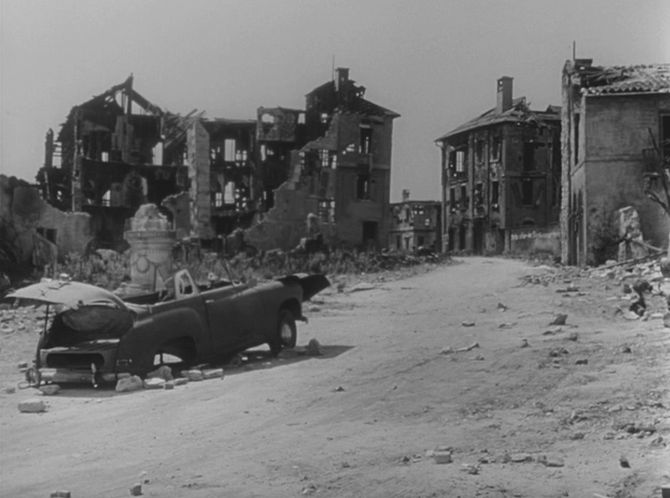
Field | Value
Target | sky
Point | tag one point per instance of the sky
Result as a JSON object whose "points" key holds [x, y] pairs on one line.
{"points": [[434, 62]]}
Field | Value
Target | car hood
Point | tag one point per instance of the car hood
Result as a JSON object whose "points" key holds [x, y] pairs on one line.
{"points": [[311, 284], [71, 295]]}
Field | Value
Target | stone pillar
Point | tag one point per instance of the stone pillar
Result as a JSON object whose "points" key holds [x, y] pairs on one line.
{"points": [[151, 242]]}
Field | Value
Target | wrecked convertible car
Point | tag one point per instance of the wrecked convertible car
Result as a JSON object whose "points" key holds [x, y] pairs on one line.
{"points": [[92, 335]]}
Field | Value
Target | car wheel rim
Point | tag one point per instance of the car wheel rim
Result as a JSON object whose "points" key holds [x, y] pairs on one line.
{"points": [[285, 333]]}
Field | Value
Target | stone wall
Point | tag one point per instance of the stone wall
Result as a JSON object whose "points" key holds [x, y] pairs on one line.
{"points": [[34, 233], [536, 241]]}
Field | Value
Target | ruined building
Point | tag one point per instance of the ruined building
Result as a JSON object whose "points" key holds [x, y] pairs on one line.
{"points": [[110, 157], [340, 173], [415, 225], [616, 134], [331, 160], [501, 175]]}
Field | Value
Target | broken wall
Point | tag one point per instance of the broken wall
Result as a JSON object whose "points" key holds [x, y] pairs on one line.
{"points": [[199, 176], [543, 241], [616, 132], [33, 232]]}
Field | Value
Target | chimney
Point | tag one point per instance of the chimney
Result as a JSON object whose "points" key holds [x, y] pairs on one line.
{"points": [[405, 195], [342, 78], [504, 94]]}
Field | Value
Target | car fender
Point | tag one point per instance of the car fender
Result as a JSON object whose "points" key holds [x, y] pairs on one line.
{"points": [[137, 347]]}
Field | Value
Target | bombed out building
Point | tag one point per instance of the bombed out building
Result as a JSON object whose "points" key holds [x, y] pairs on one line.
{"points": [[330, 161], [339, 168], [501, 178], [415, 225], [616, 152]]}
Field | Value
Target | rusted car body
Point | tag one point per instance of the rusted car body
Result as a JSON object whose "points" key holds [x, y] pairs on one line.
{"points": [[95, 336]]}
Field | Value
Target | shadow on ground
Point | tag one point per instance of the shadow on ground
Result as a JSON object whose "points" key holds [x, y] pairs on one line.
{"points": [[250, 360]]}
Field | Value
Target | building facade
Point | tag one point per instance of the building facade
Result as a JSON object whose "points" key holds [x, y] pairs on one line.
{"points": [[341, 174], [415, 225], [616, 141], [332, 161], [501, 174]]}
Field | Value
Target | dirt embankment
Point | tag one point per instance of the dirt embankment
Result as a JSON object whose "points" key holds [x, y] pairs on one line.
{"points": [[533, 410]]}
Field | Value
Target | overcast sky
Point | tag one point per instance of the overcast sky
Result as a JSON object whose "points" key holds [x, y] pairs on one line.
{"points": [[434, 62]]}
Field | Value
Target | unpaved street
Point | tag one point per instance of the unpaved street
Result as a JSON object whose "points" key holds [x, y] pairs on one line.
{"points": [[359, 420]]}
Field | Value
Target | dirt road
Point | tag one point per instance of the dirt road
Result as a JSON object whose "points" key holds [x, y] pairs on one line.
{"points": [[361, 420]]}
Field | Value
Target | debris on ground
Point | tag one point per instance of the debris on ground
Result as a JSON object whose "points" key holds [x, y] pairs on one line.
{"points": [[559, 319], [502, 307], [213, 373], [313, 348], [163, 372], [468, 323], [49, 389], [558, 352], [60, 494], [192, 375], [363, 286], [623, 461], [442, 457], [128, 384], [32, 405], [524, 343], [470, 468], [449, 349], [136, 490], [154, 383], [550, 461], [520, 458]]}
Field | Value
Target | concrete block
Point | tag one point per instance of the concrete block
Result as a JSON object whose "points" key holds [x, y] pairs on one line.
{"points": [[154, 383], [212, 373], [127, 384], [50, 389], [32, 405]]}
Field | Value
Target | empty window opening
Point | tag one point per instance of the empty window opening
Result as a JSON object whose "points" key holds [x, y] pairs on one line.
{"points": [[453, 203], [529, 156], [324, 117], [218, 199], [464, 198], [496, 146], [324, 155], [479, 194], [47, 233], [527, 192], [301, 118], [495, 195], [267, 118], [229, 193], [363, 186], [479, 150], [576, 138], [460, 161], [107, 198], [365, 146], [229, 149]]}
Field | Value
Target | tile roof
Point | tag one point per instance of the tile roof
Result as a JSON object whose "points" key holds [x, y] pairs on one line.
{"points": [[652, 78], [519, 112]]}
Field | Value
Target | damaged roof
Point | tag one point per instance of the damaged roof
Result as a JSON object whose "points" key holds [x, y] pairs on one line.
{"points": [[518, 113], [601, 80], [358, 103]]}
